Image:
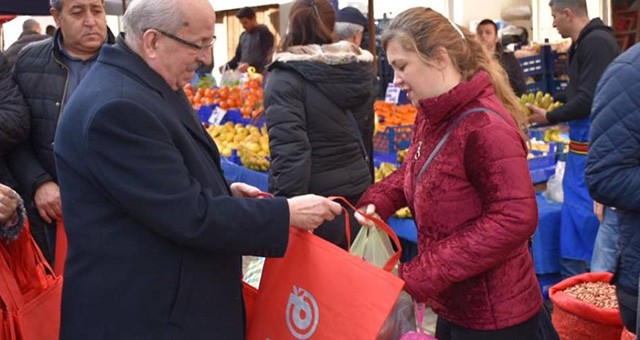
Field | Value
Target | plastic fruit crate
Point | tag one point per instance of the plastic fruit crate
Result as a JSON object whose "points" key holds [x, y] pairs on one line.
{"points": [[393, 139]]}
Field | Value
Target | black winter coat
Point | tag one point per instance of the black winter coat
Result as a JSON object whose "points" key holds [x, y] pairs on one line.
{"points": [[319, 108], [25, 39], [42, 78], [14, 119], [155, 238], [589, 56]]}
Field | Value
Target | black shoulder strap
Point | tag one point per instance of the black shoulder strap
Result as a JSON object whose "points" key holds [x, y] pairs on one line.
{"points": [[452, 127]]}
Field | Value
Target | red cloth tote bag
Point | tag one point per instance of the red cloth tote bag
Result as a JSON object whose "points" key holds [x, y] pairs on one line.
{"points": [[320, 291], [30, 293]]}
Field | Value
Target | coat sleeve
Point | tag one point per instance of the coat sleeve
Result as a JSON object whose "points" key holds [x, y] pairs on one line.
{"points": [[288, 140], [613, 167], [233, 63], [593, 61], [133, 159], [387, 195], [500, 176], [515, 73], [266, 42], [14, 112]]}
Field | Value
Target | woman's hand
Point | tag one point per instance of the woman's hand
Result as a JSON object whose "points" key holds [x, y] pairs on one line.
{"points": [[368, 210], [9, 202]]}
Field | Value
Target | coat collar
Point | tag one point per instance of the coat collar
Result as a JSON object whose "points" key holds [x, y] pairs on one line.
{"points": [[339, 53], [121, 56], [438, 109]]}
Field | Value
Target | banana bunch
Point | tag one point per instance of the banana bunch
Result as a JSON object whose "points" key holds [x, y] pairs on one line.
{"points": [[544, 101], [401, 155], [383, 171], [403, 213], [553, 135]]}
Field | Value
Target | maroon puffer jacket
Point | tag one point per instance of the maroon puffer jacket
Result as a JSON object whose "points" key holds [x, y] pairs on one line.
{"points": [[475, 210]]}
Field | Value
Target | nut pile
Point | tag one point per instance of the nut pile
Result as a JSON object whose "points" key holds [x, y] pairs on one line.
{"points": [[599, 294]]}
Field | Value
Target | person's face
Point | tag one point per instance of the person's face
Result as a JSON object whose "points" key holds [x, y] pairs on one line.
{"points": [[248, 24], [419, 79], [561, 21], [487, 36], [177, 61], [357, 39], [83, 24]]}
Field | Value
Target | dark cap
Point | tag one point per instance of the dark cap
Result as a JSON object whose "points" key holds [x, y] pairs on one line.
{"points": [[352, 15]]}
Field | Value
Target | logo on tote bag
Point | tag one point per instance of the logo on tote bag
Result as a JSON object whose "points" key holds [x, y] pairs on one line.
{"points": [[302, 314]]}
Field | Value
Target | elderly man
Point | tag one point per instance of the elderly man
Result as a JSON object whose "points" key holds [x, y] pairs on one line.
{"points": [[350, 25], [48, 73], [30, 33], [594, 47], [155, 233]]}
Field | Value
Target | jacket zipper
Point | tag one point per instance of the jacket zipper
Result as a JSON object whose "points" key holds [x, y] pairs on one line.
{"points": [[66, 85]]}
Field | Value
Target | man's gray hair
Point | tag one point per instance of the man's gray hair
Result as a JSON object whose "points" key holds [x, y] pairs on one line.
{"points": [[577, 6], [142, 15], [57, 4], [346, 30], [30, 25]]}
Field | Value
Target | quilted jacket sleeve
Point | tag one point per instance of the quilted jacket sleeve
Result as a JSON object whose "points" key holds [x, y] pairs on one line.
{"points": [[387, 195], [613, 162], [14, 113], [501, 178], [290, 147]]}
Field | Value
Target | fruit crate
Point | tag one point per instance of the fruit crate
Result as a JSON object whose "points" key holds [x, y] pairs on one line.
{"points": [[393, 139], [558, 85], [532, 66], [537, 86]]}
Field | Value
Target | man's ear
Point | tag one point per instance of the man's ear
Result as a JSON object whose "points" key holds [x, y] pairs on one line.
{"points": [[150, 44], [56, 15]]}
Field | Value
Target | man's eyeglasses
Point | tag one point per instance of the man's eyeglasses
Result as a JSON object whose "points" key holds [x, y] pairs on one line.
{"points": [[195, 46]]}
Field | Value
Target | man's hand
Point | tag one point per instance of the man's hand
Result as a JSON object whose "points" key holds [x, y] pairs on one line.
{"points": [[243, 190], [310, 211], [598, 209], [538, 115], [369, 210], [242, 67], [9, 201], [47, 199]]}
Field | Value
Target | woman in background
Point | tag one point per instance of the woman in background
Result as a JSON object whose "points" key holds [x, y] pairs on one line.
{"points": [[319, 108]]}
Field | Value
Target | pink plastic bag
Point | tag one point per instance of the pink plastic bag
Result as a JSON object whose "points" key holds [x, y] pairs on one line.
{"points": [[420, 334]]}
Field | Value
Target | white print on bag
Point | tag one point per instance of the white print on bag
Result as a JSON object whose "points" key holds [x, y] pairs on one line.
{"points": [[302, 314]]}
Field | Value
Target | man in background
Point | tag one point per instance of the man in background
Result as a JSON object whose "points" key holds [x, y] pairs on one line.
{"points": [[30, 33], [594, 47], [48, 73], [256, 44], [50, 30], [487, 32], [350, 25]]}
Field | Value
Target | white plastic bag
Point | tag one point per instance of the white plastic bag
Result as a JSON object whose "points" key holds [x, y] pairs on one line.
{"points": [[554, 184], [374, 246]]}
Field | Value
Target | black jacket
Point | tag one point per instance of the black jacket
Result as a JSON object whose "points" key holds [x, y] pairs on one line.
{"points": [[319, 109], [14, 119], [514, 71], [254, 48], [25, 39], [155, 239], [42, 78], [311, 98], [589, 56]]}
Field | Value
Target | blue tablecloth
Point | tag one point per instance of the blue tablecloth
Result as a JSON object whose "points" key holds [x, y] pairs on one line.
{"points": [[546, 240]]}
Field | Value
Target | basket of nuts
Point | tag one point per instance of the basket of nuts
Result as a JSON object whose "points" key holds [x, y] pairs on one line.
{"points": [[586, 307]]}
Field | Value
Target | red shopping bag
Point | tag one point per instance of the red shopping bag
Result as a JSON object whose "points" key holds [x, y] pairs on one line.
{"points": [[61, 249], [30, 293], [249, 294], [320, 291]]}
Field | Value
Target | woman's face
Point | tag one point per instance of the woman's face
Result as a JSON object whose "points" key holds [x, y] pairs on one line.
{"points": [[419, 79]]}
